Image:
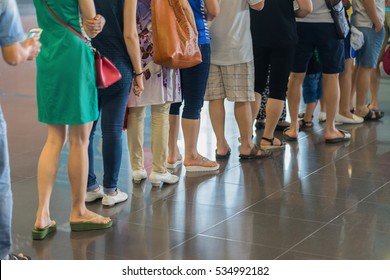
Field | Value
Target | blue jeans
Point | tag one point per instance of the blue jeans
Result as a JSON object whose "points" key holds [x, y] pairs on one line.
{"points": [[112, 106], [5, 192], [193, 86]]}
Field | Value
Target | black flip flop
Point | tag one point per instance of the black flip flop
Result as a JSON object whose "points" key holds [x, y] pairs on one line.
{"points": [[346, 137], [225, 156], [289, 138]]}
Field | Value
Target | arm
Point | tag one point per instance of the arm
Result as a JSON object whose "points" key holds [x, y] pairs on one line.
{"points": [[130, 34], [19, 52], [347, 4], [305, 8], [93, 24], [369, 6], [259, 6], [212, 8]]}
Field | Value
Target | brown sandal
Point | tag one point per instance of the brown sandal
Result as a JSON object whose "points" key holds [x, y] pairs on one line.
{"points": [[254, 153]]}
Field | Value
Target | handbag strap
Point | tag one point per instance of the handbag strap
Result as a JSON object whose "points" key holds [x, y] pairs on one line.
{"points": [[66, 25], [328, 4]]}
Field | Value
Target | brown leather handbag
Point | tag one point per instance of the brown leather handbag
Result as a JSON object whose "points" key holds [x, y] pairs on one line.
{"points": [[175, 37]]}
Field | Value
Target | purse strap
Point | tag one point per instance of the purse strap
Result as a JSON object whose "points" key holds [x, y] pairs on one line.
{"points": [[328, 4], [67, 26]]}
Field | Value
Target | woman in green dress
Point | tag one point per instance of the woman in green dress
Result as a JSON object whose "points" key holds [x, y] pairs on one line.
{"points": [[66, 97]]}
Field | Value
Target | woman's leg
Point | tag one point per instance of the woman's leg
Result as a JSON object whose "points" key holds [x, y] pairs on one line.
{"points": [[174, 126], [345, 79], [194, 81], [113, 108], [47, 170], [159, 141], [78, 172], [135, 137]]}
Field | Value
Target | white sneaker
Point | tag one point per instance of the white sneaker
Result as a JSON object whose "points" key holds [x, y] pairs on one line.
{"points": [[139, 175], [157, 178], [93, 195], [111, 200]]}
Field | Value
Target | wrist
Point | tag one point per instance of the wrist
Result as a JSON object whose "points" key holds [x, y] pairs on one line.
{"points": [[135, 74]]}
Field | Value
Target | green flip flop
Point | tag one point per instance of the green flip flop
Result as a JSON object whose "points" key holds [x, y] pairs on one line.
{"points": [[41, 233], [85, 226]]}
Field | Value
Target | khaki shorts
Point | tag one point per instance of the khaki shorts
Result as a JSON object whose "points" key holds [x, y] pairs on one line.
{"points": [[233, 82]]}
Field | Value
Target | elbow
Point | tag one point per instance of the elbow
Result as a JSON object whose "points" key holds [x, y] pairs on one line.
{"points": [[131, 38], [213, 13], [307, 9], [12, 60], [304, 11], [258, 6]]}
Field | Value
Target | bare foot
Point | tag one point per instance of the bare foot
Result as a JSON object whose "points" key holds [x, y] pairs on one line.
{"points": [[89, 216], [200, 161], [41, 223]]}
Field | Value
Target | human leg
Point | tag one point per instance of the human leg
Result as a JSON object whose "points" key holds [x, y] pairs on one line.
{"points": [[217, 118], [294, 97], [345, 80], [367, 59], [375, 74], [113, 107], [374, 88], [159, 139], [135, 137], [174, 158], [94, 190], [47, 170], [78, 171], [135, 141], [255, 106], [331, 95], [281, 61], [215, 94], [5, 193], [159, 144], [194, 82], [303, 53], [274, 110]]}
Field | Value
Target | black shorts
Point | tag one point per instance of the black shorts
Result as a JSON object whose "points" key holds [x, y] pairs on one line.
{"points": [[278, 61], [323, 37]]}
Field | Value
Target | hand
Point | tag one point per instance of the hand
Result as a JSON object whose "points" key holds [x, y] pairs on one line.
{"points": [[138, 85], [347, 4], [94, 26], [33, 47], [378, 27]]}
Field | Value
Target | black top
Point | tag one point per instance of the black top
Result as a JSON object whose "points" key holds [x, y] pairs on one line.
{"points": [[110, 41], [275, 25]]}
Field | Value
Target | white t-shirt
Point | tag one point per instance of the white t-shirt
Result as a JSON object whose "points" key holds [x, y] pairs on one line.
{"points": [[359, 16], [231, 40], [320, 14]]}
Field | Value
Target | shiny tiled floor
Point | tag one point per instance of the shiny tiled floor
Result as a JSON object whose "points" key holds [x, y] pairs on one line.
{"points": [[311, 201]]}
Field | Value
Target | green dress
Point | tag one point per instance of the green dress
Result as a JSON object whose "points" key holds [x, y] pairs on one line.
{"points": [[66, 82]]}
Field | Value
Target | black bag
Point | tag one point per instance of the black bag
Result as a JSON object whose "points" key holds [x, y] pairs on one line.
{"points": [[339, 17]]}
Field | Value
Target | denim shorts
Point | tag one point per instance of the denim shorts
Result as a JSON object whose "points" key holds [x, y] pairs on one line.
{"points": [[312, 88], [347, 47], [367, 55], [323, 37]]}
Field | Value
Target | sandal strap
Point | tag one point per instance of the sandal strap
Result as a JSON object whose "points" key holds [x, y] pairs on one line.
{"points": [[269, 140]]}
